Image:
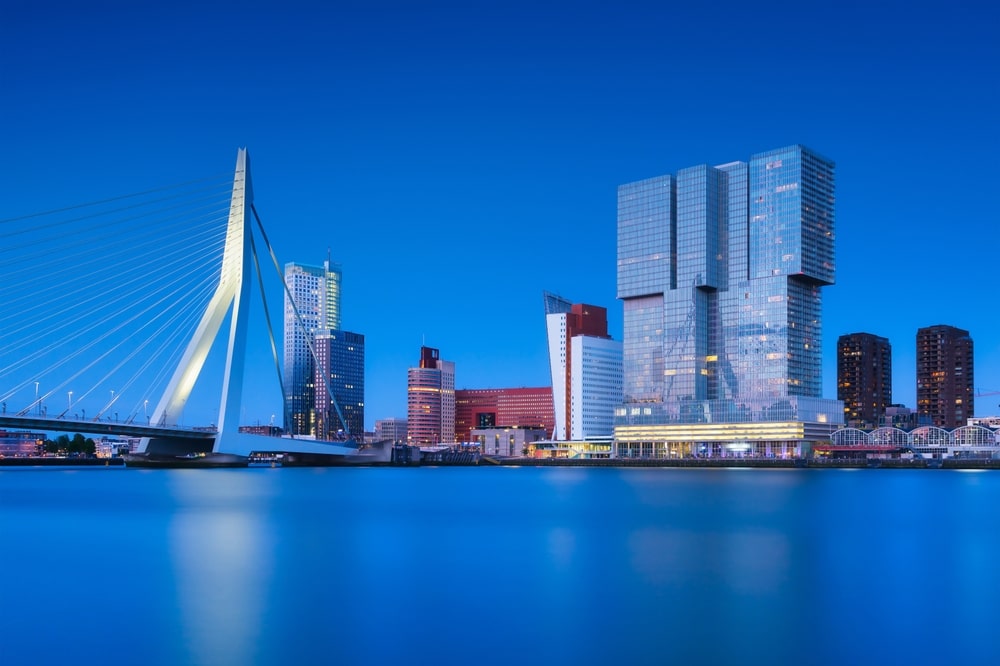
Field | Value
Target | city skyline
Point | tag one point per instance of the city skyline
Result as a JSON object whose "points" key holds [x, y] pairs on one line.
{"points": [[392, 135]]}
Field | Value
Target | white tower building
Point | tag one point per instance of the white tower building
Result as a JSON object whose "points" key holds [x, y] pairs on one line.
{"points": [[586, 367]]}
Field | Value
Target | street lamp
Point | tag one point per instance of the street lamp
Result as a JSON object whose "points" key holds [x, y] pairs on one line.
{"points": [[69, 404], [37, 405], [145, 410]]}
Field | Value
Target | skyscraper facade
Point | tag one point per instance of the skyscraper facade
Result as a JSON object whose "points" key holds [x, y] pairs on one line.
{"points": [[864, 378], [340, 368], [595, 386], [502, 408], [586, 369], [312, 303], [430, 400], [945, 390], [720, 271]]}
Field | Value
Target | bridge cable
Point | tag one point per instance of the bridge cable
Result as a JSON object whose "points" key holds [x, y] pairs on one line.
{"points": [[267, 314], [298, 318], [30, 306], [140, 285], [140, 282], [112, 199]]}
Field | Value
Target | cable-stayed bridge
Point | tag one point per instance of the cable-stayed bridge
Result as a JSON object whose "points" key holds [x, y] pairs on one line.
{"points": [[110, 312]]}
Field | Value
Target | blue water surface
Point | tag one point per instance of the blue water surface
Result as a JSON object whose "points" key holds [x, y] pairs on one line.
{"points": [[498, 566]]}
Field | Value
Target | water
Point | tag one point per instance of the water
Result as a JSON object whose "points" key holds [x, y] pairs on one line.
{"points": [[498, 566]]}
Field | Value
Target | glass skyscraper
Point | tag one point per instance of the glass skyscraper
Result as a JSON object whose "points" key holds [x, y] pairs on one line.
{"points": [[720, 271], [313, 291], [340, 368]]}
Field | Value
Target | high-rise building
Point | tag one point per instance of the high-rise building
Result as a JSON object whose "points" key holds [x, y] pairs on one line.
{"points": [[312, 303], [864, 378], [430, 400], [502, 408], [720, 271], [945, 375], [586, 369], [390, 430], [340, 368]]}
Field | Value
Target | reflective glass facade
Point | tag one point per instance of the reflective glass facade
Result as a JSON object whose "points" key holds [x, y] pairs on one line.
{"points": [[314, 291], [340, 356], [720, 270]]}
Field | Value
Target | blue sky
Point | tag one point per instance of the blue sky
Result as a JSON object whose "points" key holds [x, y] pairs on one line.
{"points": [[459, 158]]}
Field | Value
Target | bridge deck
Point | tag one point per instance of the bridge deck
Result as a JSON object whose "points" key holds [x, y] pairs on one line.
{"points": [[92, 427]]}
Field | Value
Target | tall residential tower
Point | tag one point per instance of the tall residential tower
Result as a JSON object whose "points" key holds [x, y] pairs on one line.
{"points": [[720, 270], [864, 378], [944, 375]]}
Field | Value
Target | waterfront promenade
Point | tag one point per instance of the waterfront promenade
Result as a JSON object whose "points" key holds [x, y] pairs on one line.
{"points": [[702, 463]]}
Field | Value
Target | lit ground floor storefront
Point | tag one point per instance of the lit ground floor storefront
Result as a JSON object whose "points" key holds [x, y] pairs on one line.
{"points": [[789, 439], [588, 449]]}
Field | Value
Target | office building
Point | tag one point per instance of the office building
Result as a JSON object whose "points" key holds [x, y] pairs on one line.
{"points": [[945, 391], [312, 303], [502, 408], [340, 368], [390, 430], [586, 369], [506, 442], [720, 270], [864, 378], [430, 400]]}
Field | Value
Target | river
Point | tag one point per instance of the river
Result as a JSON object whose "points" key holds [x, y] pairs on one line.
{"points": [[498, 566]]}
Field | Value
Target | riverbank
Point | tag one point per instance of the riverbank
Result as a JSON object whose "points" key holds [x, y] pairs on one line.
{"points": [[698, 463], [764, 463], [52, 461]]}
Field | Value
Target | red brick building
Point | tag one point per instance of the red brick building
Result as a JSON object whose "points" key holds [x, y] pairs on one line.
{"points": [[503, 408]]}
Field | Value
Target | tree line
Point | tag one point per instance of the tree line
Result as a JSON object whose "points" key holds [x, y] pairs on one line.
{"points": [[65, 444]]}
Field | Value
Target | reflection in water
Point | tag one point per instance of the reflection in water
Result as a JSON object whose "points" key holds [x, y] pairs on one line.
{"points": [[499, 566], [562, 544], [745, 561], [662, 557], [221, 550]]}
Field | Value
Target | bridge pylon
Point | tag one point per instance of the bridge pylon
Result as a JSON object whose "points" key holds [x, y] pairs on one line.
{"points": [[231, 295]]}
